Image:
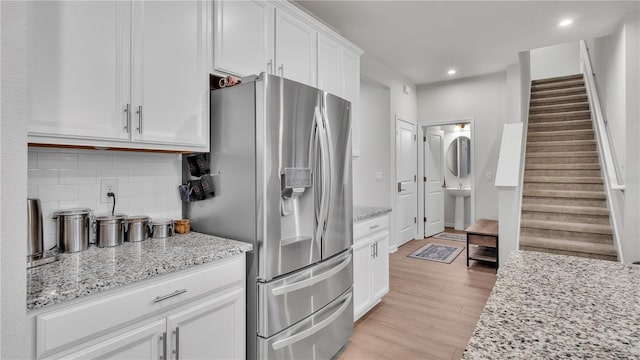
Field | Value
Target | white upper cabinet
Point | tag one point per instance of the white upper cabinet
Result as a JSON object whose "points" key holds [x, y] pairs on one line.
{"points": [[79, 69], [329, 65], [244, 37], [295, 49], [130, 74], [170, 84]]}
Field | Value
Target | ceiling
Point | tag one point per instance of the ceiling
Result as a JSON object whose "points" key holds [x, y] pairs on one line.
{"points": [[424, 39]]}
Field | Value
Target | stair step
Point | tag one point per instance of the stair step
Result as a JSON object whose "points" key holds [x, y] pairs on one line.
{"points": [[569, 245], [553, 155], [560, 125], [563, 179], [561, 135], [560, 116], [564, 201], [561, 146], [564, 209], [557, 85], [558, 108], [562, 186], [557, 79], [594, 166], [562, 99], [567, 226], [558, 92], [562, 172], [568, 218], [565, 194], [590, 159]]}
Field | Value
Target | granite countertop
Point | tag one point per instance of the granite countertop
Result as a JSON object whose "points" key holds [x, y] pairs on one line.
{"points": [[367, 212], [547, 306], [98, 269]]}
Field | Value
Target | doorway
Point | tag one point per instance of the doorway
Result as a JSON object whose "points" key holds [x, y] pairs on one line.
{"points": [[447, 169]]}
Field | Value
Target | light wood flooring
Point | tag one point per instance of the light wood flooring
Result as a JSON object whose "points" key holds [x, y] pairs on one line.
{"points": [[430, 311]]}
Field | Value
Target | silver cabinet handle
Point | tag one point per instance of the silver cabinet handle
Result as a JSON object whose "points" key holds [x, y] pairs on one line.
{"points": [[374, 227], [177, 349], [376, 249], [281, 70], [270, 66], [373, 252], [139, 112], [163, 337], [127, 120], [165, 297]]}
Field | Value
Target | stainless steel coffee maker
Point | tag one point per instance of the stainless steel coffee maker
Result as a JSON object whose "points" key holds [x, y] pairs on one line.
{"points": [[35, 253]]}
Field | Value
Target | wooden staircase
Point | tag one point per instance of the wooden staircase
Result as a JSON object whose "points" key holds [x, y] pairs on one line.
{"points": [[564, 205]]}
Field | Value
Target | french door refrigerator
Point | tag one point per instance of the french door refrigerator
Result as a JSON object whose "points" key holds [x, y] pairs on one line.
{"points": [[281, 160]]}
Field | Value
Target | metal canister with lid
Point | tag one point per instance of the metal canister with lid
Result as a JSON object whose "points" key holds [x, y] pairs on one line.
{"points": [[137, 228], [161, 228], [72, 229], [110, 230]]}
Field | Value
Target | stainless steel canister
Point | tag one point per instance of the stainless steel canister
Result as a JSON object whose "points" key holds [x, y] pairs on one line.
{"points": [[34, 229], [72, 229], [110, 230], [161, 228], [137, 228]]}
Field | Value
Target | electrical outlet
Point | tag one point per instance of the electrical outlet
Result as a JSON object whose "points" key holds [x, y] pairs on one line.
{"points": [[379, 176], [107, 186], [488, 176]]}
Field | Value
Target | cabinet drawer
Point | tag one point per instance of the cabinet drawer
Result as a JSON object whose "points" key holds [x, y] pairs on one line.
{"points": [[367, 227], [79, 322], [483, 240]]}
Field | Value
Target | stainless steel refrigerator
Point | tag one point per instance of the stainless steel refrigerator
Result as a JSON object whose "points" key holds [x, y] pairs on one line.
{"points": [[281, 160]]}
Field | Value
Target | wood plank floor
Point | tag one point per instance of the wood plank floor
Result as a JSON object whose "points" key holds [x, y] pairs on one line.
{"points": [[430, 311]]}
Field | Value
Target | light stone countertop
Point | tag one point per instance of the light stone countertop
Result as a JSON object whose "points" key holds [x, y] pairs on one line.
{"points": [[98, 269], [367, 212], [547, 306]]}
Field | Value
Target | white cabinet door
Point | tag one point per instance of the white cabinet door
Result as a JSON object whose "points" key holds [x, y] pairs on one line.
{"points": [[244, 37], [295, 49], [212, 329], [380, 265], [362, 253], [79, 69], [351, 92], [329, 65], [170, 82], [144, 342]]}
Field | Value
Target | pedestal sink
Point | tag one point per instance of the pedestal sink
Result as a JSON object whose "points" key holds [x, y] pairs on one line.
{"points": [[459, 194]]}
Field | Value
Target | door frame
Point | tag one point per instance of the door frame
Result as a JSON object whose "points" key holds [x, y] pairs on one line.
{"points": [[396, 228], [474, 185]]}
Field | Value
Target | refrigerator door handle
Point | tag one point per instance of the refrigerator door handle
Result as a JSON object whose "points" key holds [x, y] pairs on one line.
{"points": [[327, 170], [312, 280], [323, 169], [314, 329]]}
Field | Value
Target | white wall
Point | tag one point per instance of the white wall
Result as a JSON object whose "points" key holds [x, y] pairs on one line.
{"points": [[514, 94], [616, 63], [147, 183], [556, 60], [483, 98], [13, 180], [375, 156], [402, 106]]}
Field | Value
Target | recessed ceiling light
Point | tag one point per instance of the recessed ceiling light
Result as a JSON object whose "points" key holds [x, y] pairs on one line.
{"points": [[451, 72], [565, 22]]}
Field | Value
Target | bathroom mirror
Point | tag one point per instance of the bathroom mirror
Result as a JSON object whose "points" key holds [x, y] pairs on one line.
{"points": [[459, 156]]}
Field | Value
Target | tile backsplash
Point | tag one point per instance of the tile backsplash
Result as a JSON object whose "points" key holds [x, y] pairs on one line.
{"points": [[64, 178]]}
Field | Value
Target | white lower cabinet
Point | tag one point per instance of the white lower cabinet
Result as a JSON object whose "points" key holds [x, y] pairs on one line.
{"points": [[195, 314], [370, 264]]}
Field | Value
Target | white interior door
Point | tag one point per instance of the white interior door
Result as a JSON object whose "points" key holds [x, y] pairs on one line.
{"points": [[433, 194], [406, 176]]}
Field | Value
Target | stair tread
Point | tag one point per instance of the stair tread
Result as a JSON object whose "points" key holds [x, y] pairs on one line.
{"points": [[557, 79], [566, 209], [574, 194], [559, 123], [551, 92], [569, 245], [562, 166], [554, 106], [556, 85], [567, 226], [563, 113], [563, 179], [563, 154], [559, 99], [561, 143]]}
